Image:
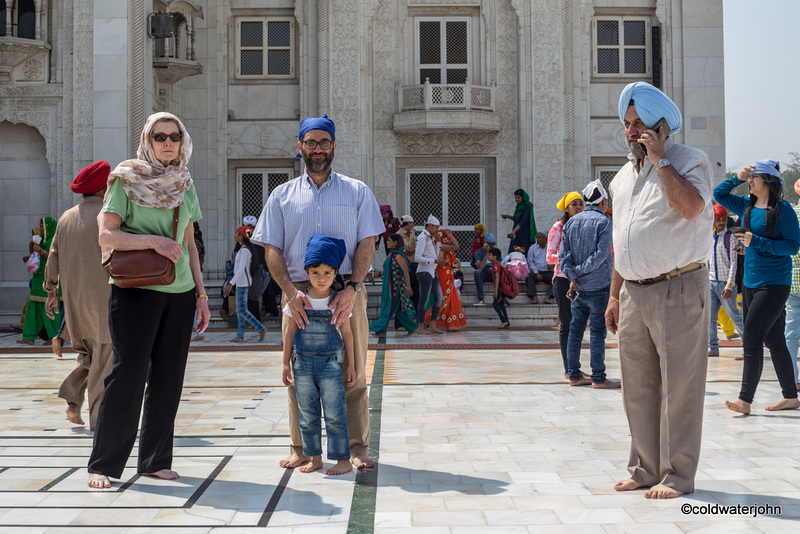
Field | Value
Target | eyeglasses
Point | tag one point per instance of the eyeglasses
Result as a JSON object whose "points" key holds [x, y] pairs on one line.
{"points": [[174, 137], [325, 144]]}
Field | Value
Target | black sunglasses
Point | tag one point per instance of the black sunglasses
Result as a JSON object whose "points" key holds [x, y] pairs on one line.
{"points": [[175, 137]]}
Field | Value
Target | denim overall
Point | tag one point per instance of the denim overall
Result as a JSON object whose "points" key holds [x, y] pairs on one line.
{"points": [[317, 367]]}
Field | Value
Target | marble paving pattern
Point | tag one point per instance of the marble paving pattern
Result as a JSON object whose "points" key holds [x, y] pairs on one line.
{"points": [[469, 440]]}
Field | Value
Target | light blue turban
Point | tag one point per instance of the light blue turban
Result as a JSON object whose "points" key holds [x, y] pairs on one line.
{"points": [[650, 104], [317, 123], [768, 166], [489, 238]]}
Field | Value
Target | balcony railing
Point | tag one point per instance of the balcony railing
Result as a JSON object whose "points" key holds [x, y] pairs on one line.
{"points": [[443, 96]]}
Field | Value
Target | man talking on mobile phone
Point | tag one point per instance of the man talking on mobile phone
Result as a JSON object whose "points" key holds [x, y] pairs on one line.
{"points": [[659, 293]]}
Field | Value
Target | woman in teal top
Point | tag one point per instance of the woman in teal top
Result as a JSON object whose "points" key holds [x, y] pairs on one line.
{"points": [[397, 293], [771, 238], [151, 326]]}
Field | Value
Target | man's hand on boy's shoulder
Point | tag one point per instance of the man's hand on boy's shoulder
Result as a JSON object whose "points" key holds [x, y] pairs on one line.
{"points": [[342, 305]]}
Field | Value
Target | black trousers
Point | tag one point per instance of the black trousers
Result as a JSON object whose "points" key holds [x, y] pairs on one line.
{"points": [[150, 335], [764, 323], [412, 274], [560, 288], [547, 278]]}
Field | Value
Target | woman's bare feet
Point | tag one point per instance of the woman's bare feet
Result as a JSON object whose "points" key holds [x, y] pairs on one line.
{"points": [[26, 342], [166, 474], [379, 334], [359, 462], [739, 406], [293, 460], [74, 414], [628, 485], [313, 464], [98, 481], [784, 404], [660, 491], [341, 467]]}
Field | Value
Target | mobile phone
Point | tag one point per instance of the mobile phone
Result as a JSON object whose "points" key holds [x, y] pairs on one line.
{"points": [[662, 126]]}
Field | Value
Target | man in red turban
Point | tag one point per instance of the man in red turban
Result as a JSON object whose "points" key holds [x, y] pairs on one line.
{"points": [[75, 263]]}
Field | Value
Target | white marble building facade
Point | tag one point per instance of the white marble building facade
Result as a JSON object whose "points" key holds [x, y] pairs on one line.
{"points": [[519, 97]]}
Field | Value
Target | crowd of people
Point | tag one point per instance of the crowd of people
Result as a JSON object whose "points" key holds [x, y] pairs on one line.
{"points": [[657, 281]]}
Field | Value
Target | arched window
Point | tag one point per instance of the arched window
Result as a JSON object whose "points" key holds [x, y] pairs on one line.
{"points": [[26, 19], [3, 18]]}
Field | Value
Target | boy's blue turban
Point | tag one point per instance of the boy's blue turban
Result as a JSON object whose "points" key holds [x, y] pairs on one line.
{"points": [[324, 249]]}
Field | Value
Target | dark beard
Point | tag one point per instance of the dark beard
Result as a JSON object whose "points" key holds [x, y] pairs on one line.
{"points": [[317, 166], [637, 149]]}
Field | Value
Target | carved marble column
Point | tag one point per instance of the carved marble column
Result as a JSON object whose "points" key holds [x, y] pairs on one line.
{"points": [[138, 55]]}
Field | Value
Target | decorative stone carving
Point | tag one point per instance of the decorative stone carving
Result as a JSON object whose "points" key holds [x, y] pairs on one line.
{"points": [[446, 143], [450, 120], [33, 70], [15, 51], [259, 140], [608, 138]]}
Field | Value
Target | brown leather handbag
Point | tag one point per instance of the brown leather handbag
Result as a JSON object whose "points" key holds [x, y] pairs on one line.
{"points": [[137, 268]]}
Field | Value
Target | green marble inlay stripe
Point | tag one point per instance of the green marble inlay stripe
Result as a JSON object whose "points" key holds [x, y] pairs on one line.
{"points": [[362, 507]]}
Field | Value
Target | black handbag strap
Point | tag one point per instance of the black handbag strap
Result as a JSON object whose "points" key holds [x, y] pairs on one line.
{"points": [[175, 213]]}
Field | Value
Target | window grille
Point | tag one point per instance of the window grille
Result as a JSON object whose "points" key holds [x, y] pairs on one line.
{"points": [[456, 198], [254, 187], [265, 47], [443, 51], [605, 175], [621, 46]]}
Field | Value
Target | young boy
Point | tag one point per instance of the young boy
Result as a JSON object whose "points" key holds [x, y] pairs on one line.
{"points": [[499, 304], [317, 354]]}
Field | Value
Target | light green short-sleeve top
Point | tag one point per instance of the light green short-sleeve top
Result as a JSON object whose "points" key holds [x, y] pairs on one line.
{"points": [[155, 221]]}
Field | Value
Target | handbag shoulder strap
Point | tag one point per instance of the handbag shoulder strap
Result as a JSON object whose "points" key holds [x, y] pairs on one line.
{"points": [[175, 214]]}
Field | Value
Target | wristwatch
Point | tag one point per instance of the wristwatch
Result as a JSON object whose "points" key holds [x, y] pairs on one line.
{"points": [[664, 162], [355, 285]]}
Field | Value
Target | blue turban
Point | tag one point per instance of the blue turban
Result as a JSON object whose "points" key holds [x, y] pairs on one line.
{"points": [[650, 104], [321, 123], [768, 166], [489, 238], [324, 249]]}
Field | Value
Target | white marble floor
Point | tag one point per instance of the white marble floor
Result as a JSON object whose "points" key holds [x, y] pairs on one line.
{"points": [[468, 440]]}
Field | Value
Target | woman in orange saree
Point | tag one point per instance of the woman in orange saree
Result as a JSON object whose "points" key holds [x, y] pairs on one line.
{"points": [[451, 314]]}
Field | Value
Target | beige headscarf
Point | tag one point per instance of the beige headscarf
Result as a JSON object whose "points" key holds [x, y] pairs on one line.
{"points": [[146, 181]]}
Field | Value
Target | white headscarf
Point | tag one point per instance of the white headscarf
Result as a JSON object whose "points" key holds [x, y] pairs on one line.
{"points": [[147, 182]]}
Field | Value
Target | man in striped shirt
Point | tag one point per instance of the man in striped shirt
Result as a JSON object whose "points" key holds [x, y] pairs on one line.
{"points": [[324, 202], [722, 278]]}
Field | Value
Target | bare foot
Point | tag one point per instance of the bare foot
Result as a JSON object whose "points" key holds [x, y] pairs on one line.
{"points": [[293, 460], [166, 474], [607, 384], [739, 406], [26, 342], [412, 333], [379, 334], [566, 376], [784, 404], [358, 463], [56, 344], [262, 335], [628, 485], [436, 330], [198, 337], [581, 382], [341, 467], [660, 491], [313, 464], [237, 340], [74, 414], [98, 481]]}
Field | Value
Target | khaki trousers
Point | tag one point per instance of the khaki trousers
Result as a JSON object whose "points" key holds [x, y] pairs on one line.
{"points": [[357, 395], [663, 339], [94, 364]]}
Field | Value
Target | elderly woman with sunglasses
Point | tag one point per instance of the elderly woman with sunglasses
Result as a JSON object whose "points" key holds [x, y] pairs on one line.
{"points": [[150, 326]]}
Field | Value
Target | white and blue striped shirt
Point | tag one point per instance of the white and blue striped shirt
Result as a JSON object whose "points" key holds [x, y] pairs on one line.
{"points": [[342, 207]]}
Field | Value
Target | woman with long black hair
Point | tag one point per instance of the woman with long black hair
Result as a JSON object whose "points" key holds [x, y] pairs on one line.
{"points": [[771, 236], [245, 271]]}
